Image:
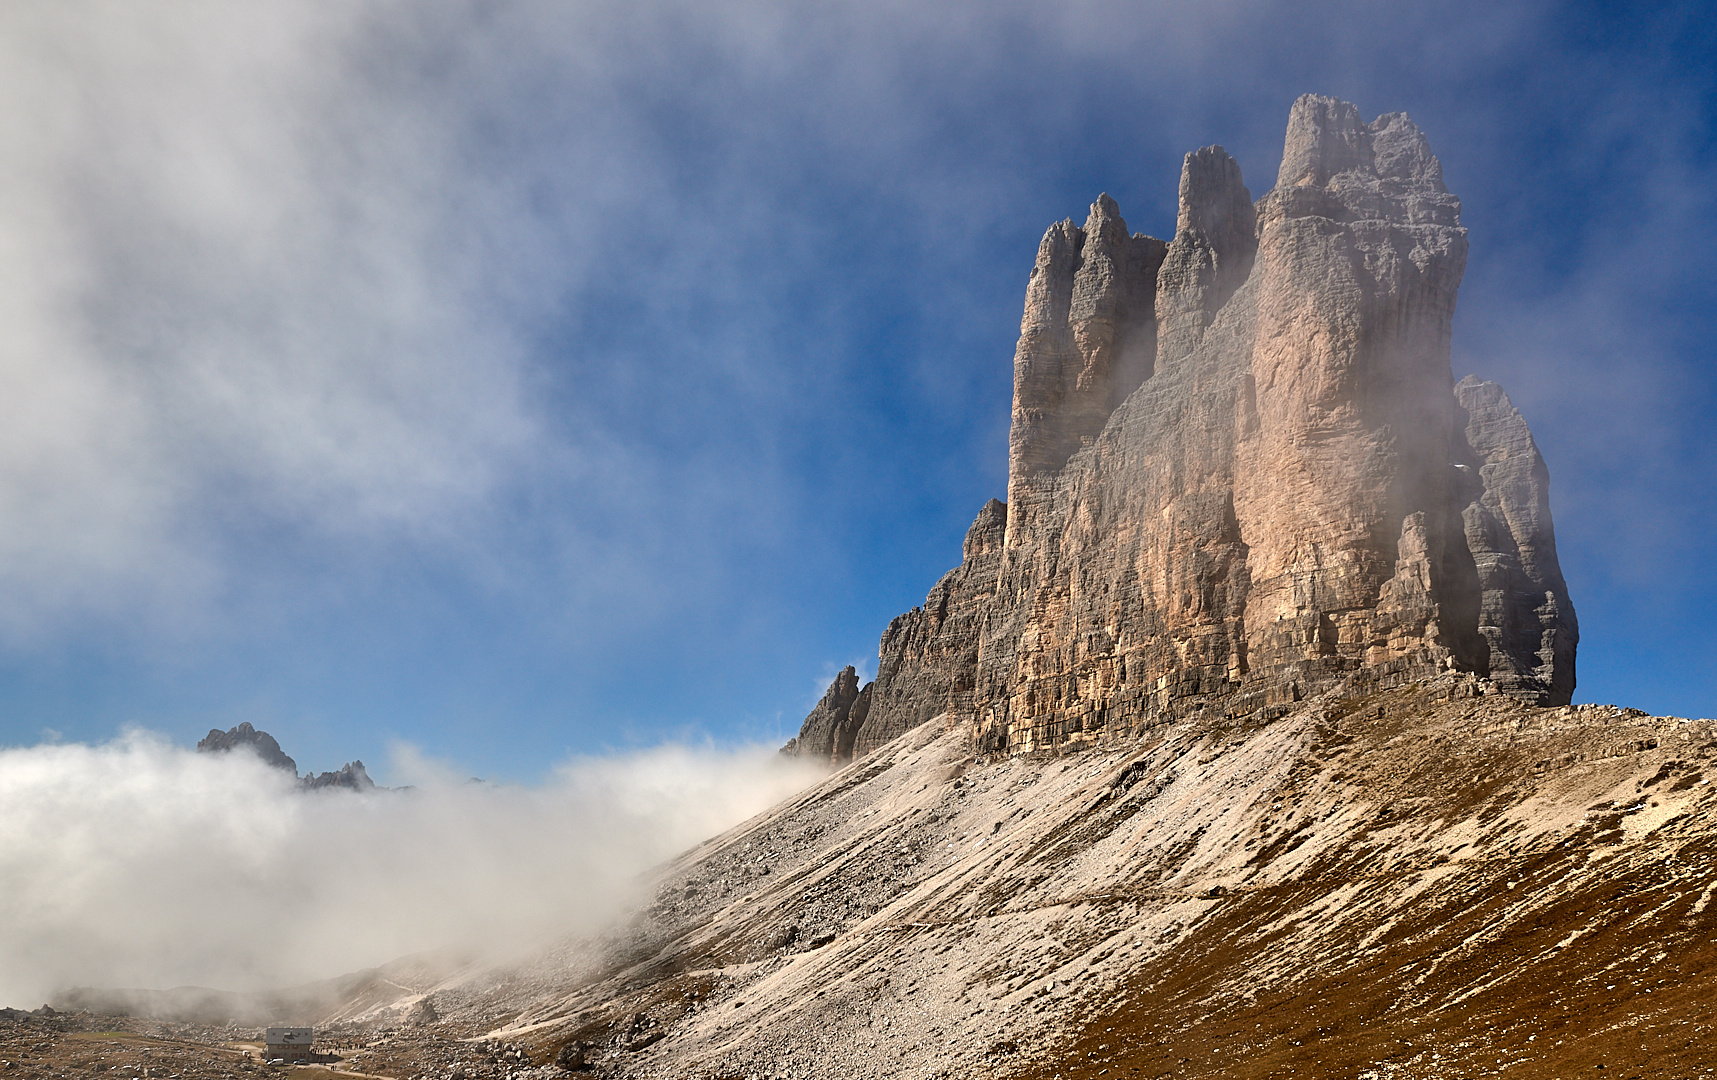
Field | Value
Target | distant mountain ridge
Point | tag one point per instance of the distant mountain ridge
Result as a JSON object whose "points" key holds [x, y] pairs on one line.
{"points": [[351, 776], [1240, 473]]}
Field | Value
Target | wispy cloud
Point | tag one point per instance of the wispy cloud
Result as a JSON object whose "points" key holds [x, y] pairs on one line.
{"points": [[239, 299]]}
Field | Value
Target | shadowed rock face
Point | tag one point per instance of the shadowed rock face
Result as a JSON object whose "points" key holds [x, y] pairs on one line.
{"points": [[829, 731], [1525, 617], [1240, 471]]}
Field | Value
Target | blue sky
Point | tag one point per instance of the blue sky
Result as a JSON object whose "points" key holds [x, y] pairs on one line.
{"points": [[523, 380]]}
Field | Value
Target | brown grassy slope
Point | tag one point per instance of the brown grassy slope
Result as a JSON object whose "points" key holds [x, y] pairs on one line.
{"points": [[1533, 952]]}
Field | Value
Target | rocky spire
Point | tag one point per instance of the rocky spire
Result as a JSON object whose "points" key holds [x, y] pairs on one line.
{"points": [[1325, 137], [1087, 340], [828, 733], [1211, 255], [1524, 614]]}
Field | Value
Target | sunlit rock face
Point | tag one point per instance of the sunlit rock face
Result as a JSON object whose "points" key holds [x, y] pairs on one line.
{"points": [[1240, 470]]}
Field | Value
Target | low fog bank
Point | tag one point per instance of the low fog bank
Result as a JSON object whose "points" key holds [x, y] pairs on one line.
{"points": [[142, 864]]}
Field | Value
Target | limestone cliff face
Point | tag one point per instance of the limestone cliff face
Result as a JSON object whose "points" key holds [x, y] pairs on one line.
{"points": [[1240, 470]]}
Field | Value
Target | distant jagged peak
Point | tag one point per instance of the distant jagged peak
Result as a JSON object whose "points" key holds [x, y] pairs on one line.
{"points": [[351, 776], [246, 737]]}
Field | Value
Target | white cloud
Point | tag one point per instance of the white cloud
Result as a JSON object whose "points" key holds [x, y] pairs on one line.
{"points": [[137, 864]]}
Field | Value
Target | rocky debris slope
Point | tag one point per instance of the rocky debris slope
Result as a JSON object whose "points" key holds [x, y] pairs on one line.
{"points": [[351, 776], [1422, 881], [1240, 472]]}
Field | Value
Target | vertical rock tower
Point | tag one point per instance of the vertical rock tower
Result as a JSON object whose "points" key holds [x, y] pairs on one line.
{"points": [[1239, 471]]}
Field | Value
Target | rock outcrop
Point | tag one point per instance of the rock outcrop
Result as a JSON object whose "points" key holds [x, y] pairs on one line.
{"points": [[828, 733], [1239, 472]]}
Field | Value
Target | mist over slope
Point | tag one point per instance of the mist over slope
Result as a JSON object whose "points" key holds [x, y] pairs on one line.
{"points": [[141, 864]]}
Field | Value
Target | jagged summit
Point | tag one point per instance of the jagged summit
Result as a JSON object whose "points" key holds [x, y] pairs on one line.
{"points": [[246, 737], [1239, 472], [351, 776]]}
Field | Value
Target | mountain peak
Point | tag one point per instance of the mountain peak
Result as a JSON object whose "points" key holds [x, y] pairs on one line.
{"points": [[1240, 473]]}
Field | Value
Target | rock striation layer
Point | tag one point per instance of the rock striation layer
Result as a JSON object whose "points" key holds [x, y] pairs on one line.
{"points": [[1239, 472]]}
